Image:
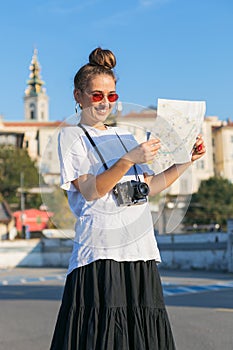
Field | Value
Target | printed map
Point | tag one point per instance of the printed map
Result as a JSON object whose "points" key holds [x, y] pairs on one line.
{"points": [[177, 125]]}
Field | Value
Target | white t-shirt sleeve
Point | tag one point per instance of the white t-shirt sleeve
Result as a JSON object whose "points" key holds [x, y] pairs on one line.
{"points": [[73, 157]]}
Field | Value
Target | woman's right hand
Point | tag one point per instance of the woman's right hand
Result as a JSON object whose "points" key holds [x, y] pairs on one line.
{"points": [[94, 187], [143, 153]]}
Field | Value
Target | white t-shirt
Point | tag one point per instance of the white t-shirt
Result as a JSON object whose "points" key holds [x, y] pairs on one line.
{"points": [[104, 230]]}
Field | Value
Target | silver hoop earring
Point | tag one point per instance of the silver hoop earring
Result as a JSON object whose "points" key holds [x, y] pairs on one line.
{"points": [[78, 108]]}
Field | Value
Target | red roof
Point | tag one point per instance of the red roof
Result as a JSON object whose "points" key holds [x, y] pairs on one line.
{"points": [[147, 114], [33, 124]]}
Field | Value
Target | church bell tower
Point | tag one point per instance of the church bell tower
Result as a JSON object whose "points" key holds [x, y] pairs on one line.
{"points": [[36, 101]]}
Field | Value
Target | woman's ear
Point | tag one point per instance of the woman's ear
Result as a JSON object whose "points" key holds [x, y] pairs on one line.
{"points": [[77, 93]]}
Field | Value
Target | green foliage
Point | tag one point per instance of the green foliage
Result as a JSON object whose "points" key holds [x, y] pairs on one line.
{"points": [[213, 203], [13, 162], [155, 199], [57, 202]]}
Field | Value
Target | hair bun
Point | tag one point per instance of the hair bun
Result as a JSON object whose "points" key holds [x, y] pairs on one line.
{"points": [[103, 58]]}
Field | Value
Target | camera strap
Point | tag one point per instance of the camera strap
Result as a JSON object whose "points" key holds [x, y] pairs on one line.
{"points": [[94, 145], [100, 155], [134, 166]]}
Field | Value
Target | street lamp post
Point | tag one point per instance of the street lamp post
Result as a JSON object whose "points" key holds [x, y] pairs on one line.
{"points": [[22, 201]]}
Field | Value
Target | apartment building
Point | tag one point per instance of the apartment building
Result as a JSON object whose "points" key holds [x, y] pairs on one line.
{"points": [[222, 141], [218, 160]]}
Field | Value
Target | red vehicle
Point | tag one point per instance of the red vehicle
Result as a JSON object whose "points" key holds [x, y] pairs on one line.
{"points": [[35, 219]]}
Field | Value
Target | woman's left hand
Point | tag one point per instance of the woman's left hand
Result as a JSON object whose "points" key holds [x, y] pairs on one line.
{"points": [[199, 149]]}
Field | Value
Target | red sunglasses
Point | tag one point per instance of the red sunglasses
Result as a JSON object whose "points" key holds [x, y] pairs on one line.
{"points": [[99, 96]]}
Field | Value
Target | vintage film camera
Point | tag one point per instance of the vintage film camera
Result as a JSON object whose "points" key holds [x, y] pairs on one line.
{"points": [[131, 193]]}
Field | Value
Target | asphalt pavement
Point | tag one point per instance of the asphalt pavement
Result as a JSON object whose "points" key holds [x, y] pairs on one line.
{"points": [[199, 304]]}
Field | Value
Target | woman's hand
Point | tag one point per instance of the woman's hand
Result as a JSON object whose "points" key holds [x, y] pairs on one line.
{"points": [[199, 149], [143, 153]]}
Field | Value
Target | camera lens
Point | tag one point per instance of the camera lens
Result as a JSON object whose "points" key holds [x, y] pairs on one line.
{"points": [[143, 188]]}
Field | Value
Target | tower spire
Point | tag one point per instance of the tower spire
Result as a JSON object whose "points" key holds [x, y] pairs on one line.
{"points": [[36, 102], [35, 84]]}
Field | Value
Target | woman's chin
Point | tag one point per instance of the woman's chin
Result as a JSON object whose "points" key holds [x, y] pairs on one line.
{"points": [[102, 115]]}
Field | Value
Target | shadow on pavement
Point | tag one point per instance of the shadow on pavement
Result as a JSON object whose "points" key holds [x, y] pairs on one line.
{"points": [[195, 274], [31, 292], [214, 299]]}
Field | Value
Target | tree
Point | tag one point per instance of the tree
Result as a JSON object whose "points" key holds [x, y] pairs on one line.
{"points": [[213, 203], [13, 162], [57, 202]]}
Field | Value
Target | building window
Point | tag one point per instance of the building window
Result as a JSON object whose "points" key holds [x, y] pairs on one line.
{"points": [[32, 111], [8, 139], [42, 109]]}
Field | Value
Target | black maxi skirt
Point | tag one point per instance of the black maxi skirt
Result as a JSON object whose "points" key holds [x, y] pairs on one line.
{"points": [[109, 305]]}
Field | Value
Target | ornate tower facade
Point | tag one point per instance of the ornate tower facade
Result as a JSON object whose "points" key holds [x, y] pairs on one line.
{"points": [[36, 102]]}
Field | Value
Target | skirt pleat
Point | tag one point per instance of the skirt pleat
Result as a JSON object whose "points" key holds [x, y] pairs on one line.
{"points": [[109, 305]]}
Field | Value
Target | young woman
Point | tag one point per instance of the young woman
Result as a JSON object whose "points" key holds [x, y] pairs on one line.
{"points": [[113, 297]]}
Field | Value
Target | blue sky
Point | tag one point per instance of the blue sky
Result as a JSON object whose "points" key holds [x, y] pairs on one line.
{"points": [[175, 49]]}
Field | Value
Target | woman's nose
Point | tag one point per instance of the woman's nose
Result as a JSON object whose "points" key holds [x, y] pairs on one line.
{"points": [[105, 99]]}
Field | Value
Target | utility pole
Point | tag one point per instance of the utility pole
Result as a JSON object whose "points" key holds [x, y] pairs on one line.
{"points": [[22, 201]]}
